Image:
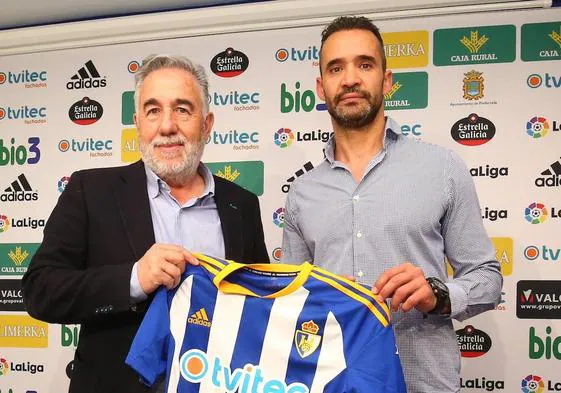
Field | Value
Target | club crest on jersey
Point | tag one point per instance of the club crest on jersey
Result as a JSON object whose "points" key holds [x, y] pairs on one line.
{"points": [[307, 340]]}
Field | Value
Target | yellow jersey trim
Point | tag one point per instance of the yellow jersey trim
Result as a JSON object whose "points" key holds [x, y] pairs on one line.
{"points": [[359, 288], [384, 321]]}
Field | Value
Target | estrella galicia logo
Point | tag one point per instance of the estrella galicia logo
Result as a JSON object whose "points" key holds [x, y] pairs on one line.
{"points": [[473, 130], [535, 213], [532, 384], [87, 77], [19, 191], [229, 63], [284, 137], [278, 217], [85, 112], [61, 184], [538, 299], [473, 342]]}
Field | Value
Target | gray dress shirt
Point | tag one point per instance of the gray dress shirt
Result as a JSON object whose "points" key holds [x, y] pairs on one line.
{"points": [[416, 202]]}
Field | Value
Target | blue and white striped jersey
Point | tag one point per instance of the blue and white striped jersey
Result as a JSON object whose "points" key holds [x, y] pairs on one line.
{"points": [[261, 328]]}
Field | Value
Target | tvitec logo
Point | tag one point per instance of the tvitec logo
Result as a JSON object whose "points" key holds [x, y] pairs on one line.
{"points": [[28, 114], [536, 384], [13, 154], [296, 100], [96, 148], [236, 100], [29, 79], [240, 140], [532, 253], [311, 53], [197, 367], [548, 81], [538, 127], [536, 213]]}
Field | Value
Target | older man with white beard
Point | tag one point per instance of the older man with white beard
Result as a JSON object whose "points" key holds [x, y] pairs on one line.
{"points": [[117, 234]]}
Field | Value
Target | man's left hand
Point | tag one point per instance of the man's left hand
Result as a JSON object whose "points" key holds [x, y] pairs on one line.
{"points": [[407, 287]]}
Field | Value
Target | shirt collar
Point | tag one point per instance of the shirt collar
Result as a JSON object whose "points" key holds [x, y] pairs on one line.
{"points": [[390, 136], [155, 184]]}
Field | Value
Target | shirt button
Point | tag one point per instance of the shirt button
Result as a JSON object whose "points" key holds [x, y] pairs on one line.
{"points": [[356, 198], [359, 235], [360, 273]]}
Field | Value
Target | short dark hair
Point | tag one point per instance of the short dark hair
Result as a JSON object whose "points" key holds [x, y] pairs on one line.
{"points": [[352, 23]]}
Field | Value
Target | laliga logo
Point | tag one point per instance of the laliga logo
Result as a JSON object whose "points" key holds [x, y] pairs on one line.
{"points": [[196, 367], [284, 137], [532, 384], [536, 213]]}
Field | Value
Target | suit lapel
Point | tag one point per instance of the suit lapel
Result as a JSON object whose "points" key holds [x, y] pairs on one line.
{"points": [[230, 220], [132, 198]]}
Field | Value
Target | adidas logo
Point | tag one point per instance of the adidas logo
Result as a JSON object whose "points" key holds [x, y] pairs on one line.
{"points": [[307, 167], [200, 318], [87, 77], [553, 176], [19, 191]]}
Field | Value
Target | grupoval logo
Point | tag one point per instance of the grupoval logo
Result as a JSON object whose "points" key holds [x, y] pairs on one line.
{"points": [[473, 130], [11, 296], [229, 63], [538, 299]]}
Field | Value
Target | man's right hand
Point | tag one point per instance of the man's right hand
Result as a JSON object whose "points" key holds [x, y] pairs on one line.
{"points": [[163, 264]]}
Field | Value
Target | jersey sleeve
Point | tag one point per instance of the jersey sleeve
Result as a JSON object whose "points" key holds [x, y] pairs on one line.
{"points": [[148, 352], [375, 368]]}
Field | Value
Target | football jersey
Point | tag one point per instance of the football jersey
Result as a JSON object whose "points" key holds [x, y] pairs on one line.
{"points": [[260, 328]]}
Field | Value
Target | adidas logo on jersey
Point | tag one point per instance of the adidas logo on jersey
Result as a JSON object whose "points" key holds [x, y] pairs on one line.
{"points": [[200, 318], [307, 167], [19, 191], [87, 77], [552, 176]]}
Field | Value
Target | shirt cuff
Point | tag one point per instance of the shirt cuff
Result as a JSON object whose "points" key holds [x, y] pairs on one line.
{"points": [[136, 292], [458, 299]]}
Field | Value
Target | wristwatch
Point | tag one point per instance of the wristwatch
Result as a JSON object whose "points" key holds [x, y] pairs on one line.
{"points": [[442, 294]]}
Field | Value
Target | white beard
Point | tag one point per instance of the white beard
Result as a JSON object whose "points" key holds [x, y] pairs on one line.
{"points": [[177, 172]]}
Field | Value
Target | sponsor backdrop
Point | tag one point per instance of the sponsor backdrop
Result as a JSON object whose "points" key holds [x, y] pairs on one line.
{"points": [[485, 85]]}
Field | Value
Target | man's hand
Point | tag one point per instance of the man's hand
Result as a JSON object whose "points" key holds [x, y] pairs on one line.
{"points": [[407, 286], [163, 264]]}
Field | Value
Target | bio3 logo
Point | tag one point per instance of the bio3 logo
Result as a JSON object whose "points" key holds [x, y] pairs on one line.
{"points": [[14, 154], [296, 100]]}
